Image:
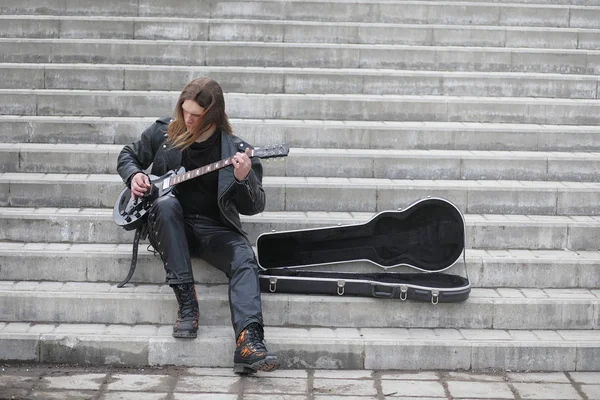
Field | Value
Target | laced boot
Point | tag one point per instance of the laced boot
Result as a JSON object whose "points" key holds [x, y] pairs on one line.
{"points": [[186, 325], [251, 354]]}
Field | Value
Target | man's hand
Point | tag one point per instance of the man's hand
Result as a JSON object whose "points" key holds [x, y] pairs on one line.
{"points": [[139, 184], [241, 165]]}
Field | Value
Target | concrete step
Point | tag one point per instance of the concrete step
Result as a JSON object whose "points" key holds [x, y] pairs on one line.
{"points": [[398, 135], [86, 302], [256, 30], [312, 55], [444, 12], [533, 2], [488, 231], [125, 103], [299, 80], [97, 262], [342, 163], [323, 348], [316, 194]]}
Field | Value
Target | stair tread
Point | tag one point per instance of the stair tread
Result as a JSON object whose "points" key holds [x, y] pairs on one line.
{"points": [[135, 291], [323, 182], [292, 22], [110, 249], [391, 125], [325, 152], [308, 71], [327, 96], [307, 216], [232, 43], [300, 334]]}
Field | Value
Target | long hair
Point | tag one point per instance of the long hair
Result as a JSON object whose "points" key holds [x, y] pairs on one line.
{"points": [[209, 95]]}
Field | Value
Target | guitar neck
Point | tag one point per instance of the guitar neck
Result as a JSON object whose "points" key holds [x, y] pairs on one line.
{"points": [[174, 180]]}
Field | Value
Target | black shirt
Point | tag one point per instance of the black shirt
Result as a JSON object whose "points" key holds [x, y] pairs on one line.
{"points": [[199, 195]]}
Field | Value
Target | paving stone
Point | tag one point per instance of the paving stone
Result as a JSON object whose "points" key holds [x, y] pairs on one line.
{"points": [[591, 378], [343, 387], [212, 384], [134, 396], [546, 391], [463, 376], [266, 385], [63, 395], [17, 381], [14, 393], [412, 388], [80, 382], [288, 373], [411, 376], [211, 371], [151, 383], [204, 396], [483, 390], [591, 391], [345, 374], [557, 377], [320, 397]]}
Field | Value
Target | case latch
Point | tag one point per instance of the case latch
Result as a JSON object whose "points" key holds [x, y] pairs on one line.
{"points": [[403, 292], [340, 288], [435, 296], [272, 284]]}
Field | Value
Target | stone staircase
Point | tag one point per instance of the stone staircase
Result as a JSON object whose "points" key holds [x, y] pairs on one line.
{"points": [[491, 105]]}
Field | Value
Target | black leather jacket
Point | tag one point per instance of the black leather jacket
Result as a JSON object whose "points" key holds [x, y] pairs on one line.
{"points": [[246, 197]]}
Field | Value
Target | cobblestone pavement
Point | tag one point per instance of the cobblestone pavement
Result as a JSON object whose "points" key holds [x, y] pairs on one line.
{"points": [[49, 382]]}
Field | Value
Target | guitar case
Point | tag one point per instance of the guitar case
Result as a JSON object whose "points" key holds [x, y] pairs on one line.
{"points": [[428, 237]]}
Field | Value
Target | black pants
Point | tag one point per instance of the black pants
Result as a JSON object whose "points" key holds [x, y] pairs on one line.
{"points": [[175, 237]]}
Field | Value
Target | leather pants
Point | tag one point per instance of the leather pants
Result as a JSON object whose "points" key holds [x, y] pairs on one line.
{"points": [[176, 236]]}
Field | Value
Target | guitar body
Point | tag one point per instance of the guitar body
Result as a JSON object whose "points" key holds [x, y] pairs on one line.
{"points": [[131, 213]]}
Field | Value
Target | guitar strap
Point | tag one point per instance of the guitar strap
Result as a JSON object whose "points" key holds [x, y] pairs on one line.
{"points": [[140, 234]]}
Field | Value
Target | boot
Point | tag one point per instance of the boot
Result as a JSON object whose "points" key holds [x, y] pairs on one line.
{"points": [[186, 325], [251, 354]]}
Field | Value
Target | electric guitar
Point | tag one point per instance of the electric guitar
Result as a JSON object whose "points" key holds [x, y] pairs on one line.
{"points": [[132, 213]]}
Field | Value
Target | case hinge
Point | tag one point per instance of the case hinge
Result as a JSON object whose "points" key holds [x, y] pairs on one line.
{"points": [[272, 284]]}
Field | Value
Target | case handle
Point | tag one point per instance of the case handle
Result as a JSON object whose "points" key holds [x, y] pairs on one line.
{"points": [[340, 288], [403, 292], [435, 296], [272, 284]]}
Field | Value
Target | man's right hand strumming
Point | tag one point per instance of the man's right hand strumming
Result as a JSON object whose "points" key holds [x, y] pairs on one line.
{"points": [[139, 184]]}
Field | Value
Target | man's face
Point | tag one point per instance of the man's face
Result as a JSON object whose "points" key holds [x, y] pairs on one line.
{"points": [[192, 112]]}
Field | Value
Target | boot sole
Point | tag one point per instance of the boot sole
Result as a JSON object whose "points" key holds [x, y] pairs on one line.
{"points": [[270, 363], [185, 335]]}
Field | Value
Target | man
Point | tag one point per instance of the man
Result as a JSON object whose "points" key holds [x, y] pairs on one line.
{"points": [[201, 215]]}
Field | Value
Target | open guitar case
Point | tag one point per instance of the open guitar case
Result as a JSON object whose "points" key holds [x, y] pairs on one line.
{"points": [[428, 237]]}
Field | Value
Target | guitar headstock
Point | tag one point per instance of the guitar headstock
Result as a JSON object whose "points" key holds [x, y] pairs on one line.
{"points": [[280, 150]]}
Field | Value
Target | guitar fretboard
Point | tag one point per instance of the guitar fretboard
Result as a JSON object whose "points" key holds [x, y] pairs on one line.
{"points": [[174, 180]]}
